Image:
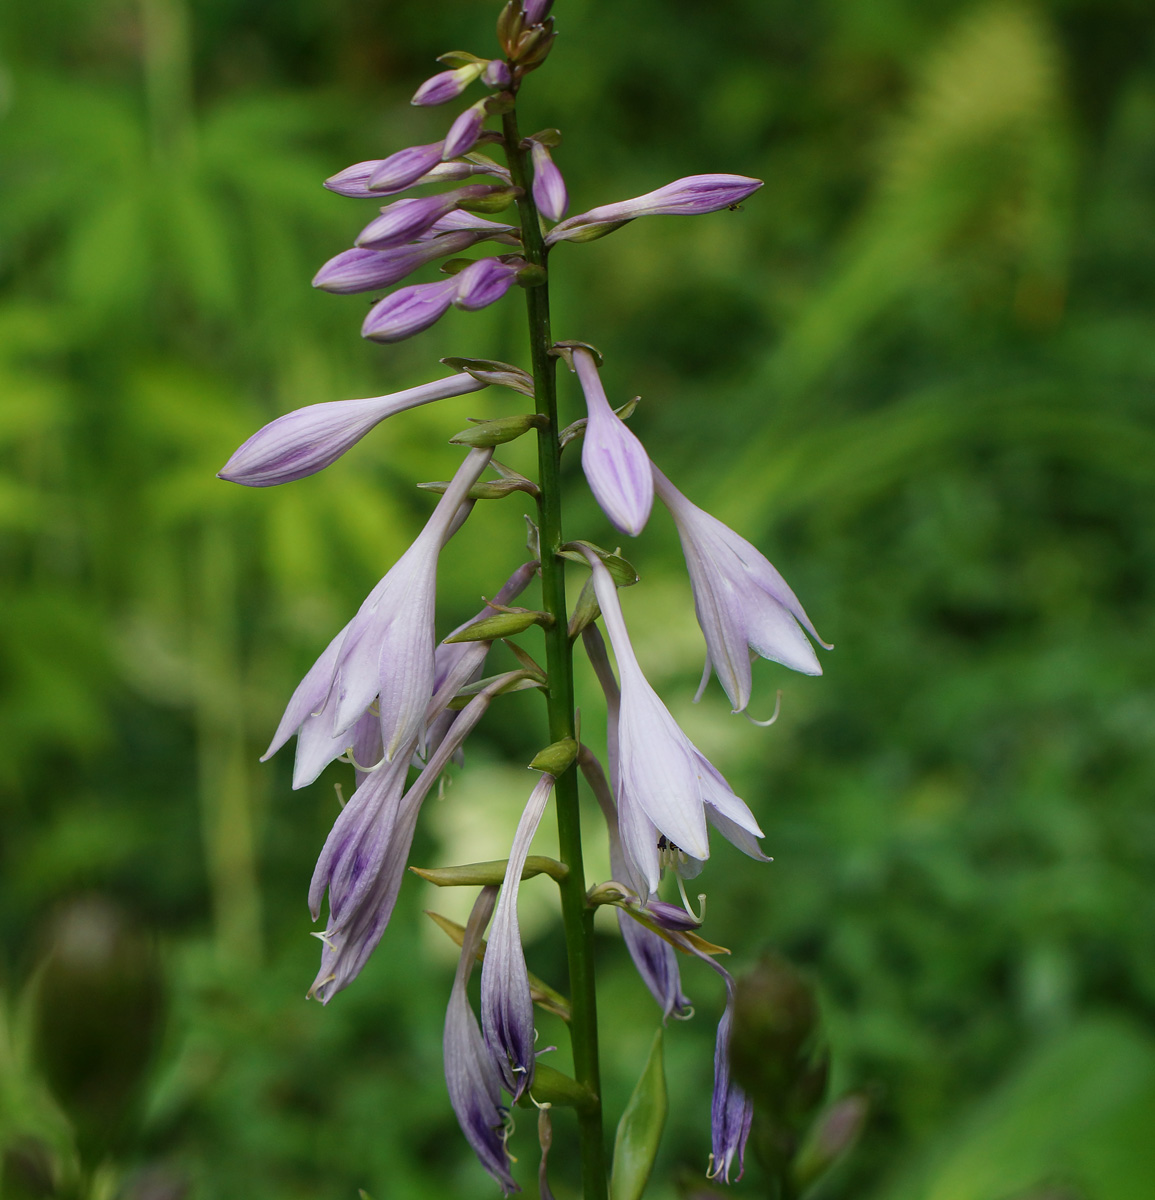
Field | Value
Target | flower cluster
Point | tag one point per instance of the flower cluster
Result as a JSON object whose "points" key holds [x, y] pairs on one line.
{"points": [[388, 698]]}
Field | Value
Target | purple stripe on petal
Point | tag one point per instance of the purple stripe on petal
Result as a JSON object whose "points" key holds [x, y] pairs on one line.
{"points": [[471, 1075], [464, 132], [403, 169], [447, 85], [506, 1006], [485, 281], [408, 311], [549, 191]]}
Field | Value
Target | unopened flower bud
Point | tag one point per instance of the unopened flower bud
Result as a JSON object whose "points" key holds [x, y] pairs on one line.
{"points": [[404, 168], [500, 431], [360, 270], [408, 311], [549, 191], [556, 758], [830, 1139], [483, 283], [497, 74], [536, 11], [463, 133], [447, 85]]}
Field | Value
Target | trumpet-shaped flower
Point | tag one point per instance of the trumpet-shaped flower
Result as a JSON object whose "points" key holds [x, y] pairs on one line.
{"points": [[691, 196], [743, 603], [308, 439], [506, 1006], [471, 1074], [363, 860], [666, 787], [385, 652], [616, 465]]}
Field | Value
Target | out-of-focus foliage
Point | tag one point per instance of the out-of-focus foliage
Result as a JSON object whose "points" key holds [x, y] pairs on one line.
{"points": [[917, 369]]}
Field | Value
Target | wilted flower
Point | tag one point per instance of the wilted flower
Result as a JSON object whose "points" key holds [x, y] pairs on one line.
{"points": [[742, 602], [308, 439], [666, 788], [616, 465], [506, 1006], [386, 651], [471, 1074], [684, 197], [731, 1110]]}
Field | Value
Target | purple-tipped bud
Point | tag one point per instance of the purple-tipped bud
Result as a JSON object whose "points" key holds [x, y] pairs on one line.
{"points": [[497, 74], [691, 196], [549, 193], [616, 464], [403, 169], [536, 11], [485, 281], [464, 132], [303, 442], [408, 311], [460, 220], [447, 85], [404, 220], [365, 270]]}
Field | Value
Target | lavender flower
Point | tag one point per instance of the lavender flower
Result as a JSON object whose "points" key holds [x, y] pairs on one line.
{"points": [[731, 1110], [305, 441], [536, 11], [686, 197], [471, 1075], [549, 192], [666, 787], [497, 74], [742, 602], [486, 281], [506, 1006], [367, 849], [616, 465], [403, 169], [386, 651], [447, 85]]}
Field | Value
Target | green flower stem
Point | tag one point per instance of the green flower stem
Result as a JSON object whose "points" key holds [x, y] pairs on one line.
{"points": [[577, 916]]}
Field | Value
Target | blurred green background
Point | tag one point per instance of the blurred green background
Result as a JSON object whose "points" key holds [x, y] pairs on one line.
{"points": [[916, 369]]}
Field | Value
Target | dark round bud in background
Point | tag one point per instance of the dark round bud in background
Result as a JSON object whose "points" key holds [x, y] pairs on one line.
{"points": [[98, 1017]]}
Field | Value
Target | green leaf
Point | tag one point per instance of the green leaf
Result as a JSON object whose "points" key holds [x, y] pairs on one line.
{"points": [[640, 1129]]}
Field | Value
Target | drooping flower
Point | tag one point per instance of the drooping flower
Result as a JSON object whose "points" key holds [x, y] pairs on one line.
{"points": [[549, 190], [367, 849], [616, 465], [385, 652], [666, 788], [743, 603], [307, 440], [471, 1074], [506, 1005], [691, 196], [731, 1110]]}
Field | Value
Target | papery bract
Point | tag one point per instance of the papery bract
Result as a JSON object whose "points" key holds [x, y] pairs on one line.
{"points": [[471, 1074], [308, 439], [506, 1005], [616, 465], [691, 196], [742, 602]]}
